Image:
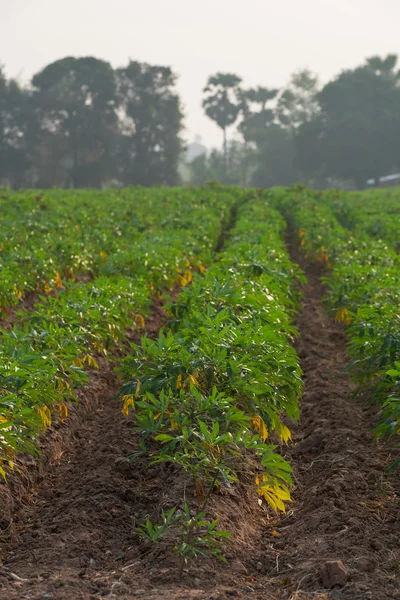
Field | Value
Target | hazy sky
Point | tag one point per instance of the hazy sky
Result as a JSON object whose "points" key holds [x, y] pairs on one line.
{"points": [[263, 41]]}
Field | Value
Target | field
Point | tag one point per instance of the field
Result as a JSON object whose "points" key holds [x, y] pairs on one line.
{"points": [[199, 394]]}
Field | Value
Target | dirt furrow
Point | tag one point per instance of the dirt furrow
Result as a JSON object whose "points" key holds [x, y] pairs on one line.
{"points": [[75, 513], [71, 532], [73, 536], [346, 506]]}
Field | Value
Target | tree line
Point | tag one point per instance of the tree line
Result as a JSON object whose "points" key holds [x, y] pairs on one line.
{"points": [[343, 133], [81, 123]]}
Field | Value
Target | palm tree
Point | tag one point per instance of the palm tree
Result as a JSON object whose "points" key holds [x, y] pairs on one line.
{"points": [[254, 123], [223, 102]]}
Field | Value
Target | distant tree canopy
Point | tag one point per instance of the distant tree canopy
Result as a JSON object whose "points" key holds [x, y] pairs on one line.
{"points": [[74, 103], [345, 133], [223, 103], [149, 146], [14, 120], [82, 124], [356, 134]]}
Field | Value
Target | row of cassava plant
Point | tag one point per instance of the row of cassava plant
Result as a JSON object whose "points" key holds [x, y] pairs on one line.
{"points": [[44, 356], [216, 384], [375, 213], [363, 293], [51, 238]]}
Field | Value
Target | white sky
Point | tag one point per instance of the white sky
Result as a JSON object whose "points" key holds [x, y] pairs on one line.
{"points": [[263, 41]]}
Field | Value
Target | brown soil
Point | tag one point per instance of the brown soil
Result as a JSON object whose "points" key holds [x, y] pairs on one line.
{"points": [[10, 314], [73, 535], [346, 506]]}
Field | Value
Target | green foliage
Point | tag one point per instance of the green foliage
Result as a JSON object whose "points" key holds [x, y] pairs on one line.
{"points": [[189, 536], [52, 239], [144, 244], [375, 213], [217, 383], [363, 282]]}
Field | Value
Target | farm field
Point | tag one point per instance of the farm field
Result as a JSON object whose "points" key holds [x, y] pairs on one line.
{"points": [[199, 394]]}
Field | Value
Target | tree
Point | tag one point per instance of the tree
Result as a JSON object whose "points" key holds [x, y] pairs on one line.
{"points": [[14, 112], [271, 144], [256, 122], [223, 103], [75, 104], [383, 66], [297, 104], [199, 170], [240, 164], [356, 134], [307, 152], [275, 159], [361, 112], [151, 122]]}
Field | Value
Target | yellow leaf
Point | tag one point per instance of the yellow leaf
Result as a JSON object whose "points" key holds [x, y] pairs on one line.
{"points": [[322, 255], [343, 316], [91, 361], [103, 255], [274, 502], [45, 415], [99, 347], [58, 281], [3, 473], [129, 402], [301, 233], [78, 362], [174, 425], [202, 268], [137, 393], [193, 379], [257, 480], [47, 288], [274, 494], [185, 279], [275, 533], [178, 382], [140, 320], [260, 426], [69, 273], [283, 432], [63, 410]]}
